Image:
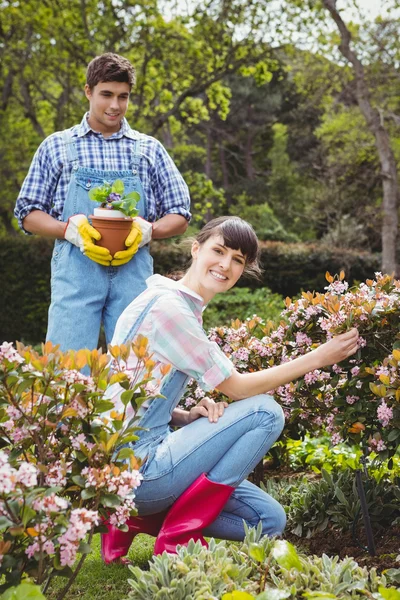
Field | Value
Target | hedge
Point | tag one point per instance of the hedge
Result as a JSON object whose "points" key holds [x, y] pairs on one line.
{"points": [[288, 268]]}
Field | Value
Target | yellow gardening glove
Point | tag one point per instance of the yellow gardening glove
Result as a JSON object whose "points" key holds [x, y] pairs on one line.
{"points": [[80, 233], [132, 243]]}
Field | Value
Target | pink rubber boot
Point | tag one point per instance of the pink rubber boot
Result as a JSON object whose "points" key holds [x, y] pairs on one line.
{"points": [[193, 511], [116, 543]]}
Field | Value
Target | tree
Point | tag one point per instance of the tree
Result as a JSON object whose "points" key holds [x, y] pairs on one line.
{"points": [[382, 140]]}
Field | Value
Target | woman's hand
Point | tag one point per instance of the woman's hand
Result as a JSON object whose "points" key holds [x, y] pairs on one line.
{"points": [[207, 408], [337, 349]]}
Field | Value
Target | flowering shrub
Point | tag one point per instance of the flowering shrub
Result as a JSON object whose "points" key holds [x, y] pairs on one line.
{"points": [[62, 472], [357, 401]]}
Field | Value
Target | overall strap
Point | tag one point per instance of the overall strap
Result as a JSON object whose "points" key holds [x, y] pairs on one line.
{"points": [[135, 156], [133, 330], [72, 154]]}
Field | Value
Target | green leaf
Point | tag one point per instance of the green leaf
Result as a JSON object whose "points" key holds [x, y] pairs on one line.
{"points": [[257, 552], [110, 500], [393, 435], [127, 396], [118, 187], [389, 593], [24, 591], [319, 595], [340, 496], [79, 480], [104, 406], [236, 595], [27, 515], [84, 548], [133, 196], [273, 594], [125, 453], [5, 523], [88, 493], [285, 555]]}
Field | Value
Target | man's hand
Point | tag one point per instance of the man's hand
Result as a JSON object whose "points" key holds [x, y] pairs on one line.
{"points": [[132, 242], [79, 232], [146, 229], [207, 408]]}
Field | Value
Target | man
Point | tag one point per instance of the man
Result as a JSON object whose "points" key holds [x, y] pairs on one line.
{"points": [[88, 285]]}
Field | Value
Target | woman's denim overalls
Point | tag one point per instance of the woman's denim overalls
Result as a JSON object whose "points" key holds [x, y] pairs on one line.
{"points": [[84, 293], [227, 451]]}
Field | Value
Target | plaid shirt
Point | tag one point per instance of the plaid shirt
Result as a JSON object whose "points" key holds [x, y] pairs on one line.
{"points": [[45, 187], [173, 327]]}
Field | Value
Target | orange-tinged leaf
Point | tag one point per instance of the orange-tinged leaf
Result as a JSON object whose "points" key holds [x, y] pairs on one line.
{"points": [[288, 301], [396, 354], [80, 359], [378, 390], [385, 379], [134, 463], [112, 441], [165, 369], [118, 377], [341, 275], [32, 532], [149, 364], [357, 427], [398, 395], [328, 277], [116, 415], [69, 412], [115, 351], [47, 348]]}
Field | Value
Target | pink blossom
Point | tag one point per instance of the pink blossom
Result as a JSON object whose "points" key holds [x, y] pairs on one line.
{"points": [[302, 339], [355, 371], [312, 377], [384, 413], [336, 439], [27, 475], [362, 342], [352, 399], [337, 287], [8, 352], [199, 393]]}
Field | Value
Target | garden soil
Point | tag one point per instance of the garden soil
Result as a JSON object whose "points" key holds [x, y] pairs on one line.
{"points": [[334, 542]]}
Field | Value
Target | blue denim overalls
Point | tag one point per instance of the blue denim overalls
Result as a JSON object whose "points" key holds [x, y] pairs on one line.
{"points": [[84, 293], [158, 414]]}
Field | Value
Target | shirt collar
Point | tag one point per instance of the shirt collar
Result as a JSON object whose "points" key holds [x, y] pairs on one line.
{"points": [[166, 282], [84, 128]]}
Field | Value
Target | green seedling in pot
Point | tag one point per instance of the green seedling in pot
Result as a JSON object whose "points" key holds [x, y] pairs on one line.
{"points": [[111, 196]]}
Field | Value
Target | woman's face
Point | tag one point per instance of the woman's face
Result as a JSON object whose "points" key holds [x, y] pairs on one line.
{"points": [[216, 268]]}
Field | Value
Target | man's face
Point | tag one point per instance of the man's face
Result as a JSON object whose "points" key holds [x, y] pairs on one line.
{"points": [[108, 105]]}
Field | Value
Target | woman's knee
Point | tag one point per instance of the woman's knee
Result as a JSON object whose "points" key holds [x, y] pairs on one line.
{"points": [[269, 411]]}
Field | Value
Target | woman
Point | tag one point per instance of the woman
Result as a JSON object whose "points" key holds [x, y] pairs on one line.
{"points": [[198, 472]]}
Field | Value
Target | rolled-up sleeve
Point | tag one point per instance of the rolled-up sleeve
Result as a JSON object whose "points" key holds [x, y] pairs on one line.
{"points": [[37, 191], [179, 339], [170, 189]]}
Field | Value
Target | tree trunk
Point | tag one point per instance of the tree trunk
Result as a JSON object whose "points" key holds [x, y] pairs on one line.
{"points": [[382, 142], [249, 157], [224, 167]]}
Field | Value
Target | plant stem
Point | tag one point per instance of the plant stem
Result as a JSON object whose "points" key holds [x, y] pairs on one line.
{"points": [[74, 575]]}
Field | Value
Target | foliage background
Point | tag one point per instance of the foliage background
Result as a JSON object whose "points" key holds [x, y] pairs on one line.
{"points": [[260, 116]]}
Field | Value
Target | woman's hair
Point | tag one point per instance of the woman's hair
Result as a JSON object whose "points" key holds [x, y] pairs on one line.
{"points": [[238, 235], [110, 67]]}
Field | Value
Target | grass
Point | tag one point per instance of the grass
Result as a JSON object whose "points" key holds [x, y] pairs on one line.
{"points": [[97, 581]]}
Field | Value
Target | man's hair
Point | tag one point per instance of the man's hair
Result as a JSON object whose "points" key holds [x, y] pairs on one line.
{"points": [[110, 67]]}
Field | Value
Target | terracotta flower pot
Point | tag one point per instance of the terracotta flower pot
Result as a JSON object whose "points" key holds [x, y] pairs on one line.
{"points": [[114, 227]]}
